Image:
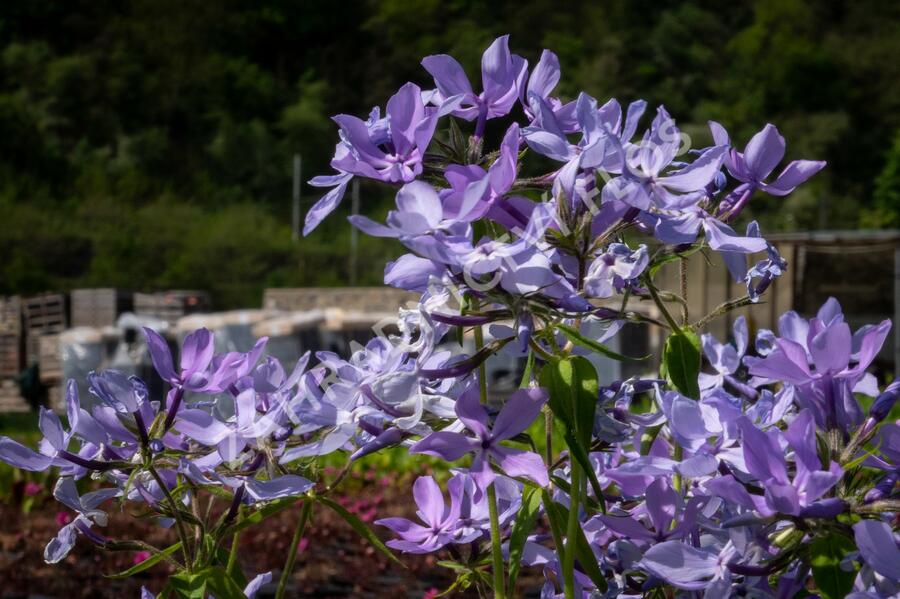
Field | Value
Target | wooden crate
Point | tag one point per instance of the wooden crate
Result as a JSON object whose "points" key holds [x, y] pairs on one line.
{"points": [[11, 356], [11, 399], [98, 307], [46, 313], [355, 299], [171, 305], [11, 315], [49, 359]]}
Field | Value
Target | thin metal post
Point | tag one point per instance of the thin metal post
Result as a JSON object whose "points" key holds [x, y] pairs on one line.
{"points": [[354, 233], [896, 307], [295, 220]]}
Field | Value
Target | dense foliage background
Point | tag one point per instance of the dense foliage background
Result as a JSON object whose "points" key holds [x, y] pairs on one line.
{"points": [[147, 143]]}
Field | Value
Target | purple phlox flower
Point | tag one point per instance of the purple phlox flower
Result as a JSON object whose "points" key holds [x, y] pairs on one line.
{"points": [[439, 520], [419, 221], [764, 457], [763, 153], [413, 273], [194, 372], [474, 511], [200, 370], [887, 440], [54, 446], [761, 274], [647, 180], [824, 361], [595, 149], [251, 425], [389, 149], [534, 271], [541, 83], [122, 392], [517, 414], [725, 358], [614, 269], [86, 507], [692, 568], [706, 429], [668, 516], [253, 587], [502, 75], [883, 404], [474, 192], [771, 408], [288, 485], [877, 545], [489, 255], [684, 225]]}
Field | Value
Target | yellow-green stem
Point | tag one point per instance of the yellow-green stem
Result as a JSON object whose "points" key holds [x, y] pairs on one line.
{"points": [[292, 552], [499, 571], [568, 565]]}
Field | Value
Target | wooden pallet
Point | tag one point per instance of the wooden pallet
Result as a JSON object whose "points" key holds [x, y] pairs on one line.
{"points": [[46, 312], [171, 305], [10, 398], [356, 299], [11, 315], [49, 359], [99, 307], [11, 355]]}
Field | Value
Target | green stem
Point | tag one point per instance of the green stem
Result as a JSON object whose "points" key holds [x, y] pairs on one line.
{"points": [[179, 523], [496, 549], [292, 552], [662, 307], [568, 565], [682, 269], [496, 541], [482, 369], [232, 554], [676, 478]]}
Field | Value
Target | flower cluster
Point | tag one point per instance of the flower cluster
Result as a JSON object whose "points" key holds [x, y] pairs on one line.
{"points": [[760, 474]]}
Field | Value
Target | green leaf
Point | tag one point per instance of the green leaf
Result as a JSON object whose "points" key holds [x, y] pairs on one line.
{"points": [[578, 339], [681, 362], [147, 563], [574, 393], [360, 527], [221, 585], [189, 586], [557, 525], [587, 561], [529, 368], [826, 554], [522, 526], [584, 460]]}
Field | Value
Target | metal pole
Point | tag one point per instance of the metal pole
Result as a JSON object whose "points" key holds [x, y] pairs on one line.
{"points": [[354, 233], [295, 221], [896, 307]]}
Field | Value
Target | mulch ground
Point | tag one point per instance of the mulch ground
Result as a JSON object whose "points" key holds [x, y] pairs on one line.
{"points": [[334, 561]]}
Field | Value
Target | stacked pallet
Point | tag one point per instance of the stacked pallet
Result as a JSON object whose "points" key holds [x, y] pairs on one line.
{"points": [[171, 305], [99, 307], [11, 315], [11, 356], [11, 399], [43, 314], [351, 299], [49, 359]]}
